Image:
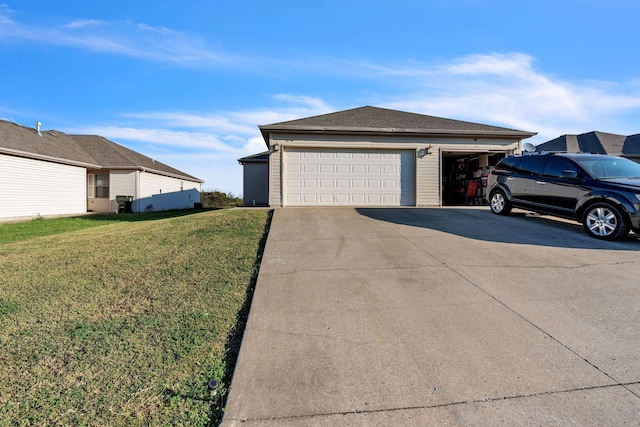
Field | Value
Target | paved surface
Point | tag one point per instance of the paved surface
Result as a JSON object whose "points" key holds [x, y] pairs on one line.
{"points": [[439, 317]]}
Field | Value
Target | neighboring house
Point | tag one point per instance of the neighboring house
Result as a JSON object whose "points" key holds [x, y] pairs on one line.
{"points": [[372, 156], [53, 173], [596, 142]]}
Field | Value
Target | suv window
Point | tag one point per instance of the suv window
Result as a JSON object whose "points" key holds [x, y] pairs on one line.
{"points": [[556, 166], [529, 165], [506, 164]]}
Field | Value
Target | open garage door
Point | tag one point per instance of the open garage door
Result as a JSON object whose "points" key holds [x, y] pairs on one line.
{"points": [[323, 177], [464, 175]]}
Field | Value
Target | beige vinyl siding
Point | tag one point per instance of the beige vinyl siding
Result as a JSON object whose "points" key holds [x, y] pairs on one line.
{"points": [[275, 178], [31, 187], [428, 179], [122, 183], [256, 184]]}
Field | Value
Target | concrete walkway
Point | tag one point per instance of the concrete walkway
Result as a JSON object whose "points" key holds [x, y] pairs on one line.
{"points": [[440, 316]]}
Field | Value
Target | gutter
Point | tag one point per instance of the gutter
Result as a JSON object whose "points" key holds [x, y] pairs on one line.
{"points": [[346, 130]]}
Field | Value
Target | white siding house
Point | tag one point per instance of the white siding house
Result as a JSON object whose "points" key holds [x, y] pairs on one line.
{"points": [[51, 173]]}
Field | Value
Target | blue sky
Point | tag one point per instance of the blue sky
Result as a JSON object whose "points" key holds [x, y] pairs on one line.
{"points": [[188, 82]]}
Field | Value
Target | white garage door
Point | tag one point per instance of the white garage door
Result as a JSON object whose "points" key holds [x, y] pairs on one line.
{"points": [[349, 177]]}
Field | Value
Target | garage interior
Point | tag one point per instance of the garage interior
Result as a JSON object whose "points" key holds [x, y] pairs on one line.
{"points": [[464, 176]]}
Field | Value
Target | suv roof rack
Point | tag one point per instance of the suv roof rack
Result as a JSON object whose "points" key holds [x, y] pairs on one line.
{"points": [[539, 153]]}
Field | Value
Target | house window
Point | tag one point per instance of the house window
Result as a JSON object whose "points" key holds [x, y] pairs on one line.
{"points": [[102, 186]]}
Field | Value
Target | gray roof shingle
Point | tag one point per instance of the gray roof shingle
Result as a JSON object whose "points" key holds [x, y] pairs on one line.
{"points": [[381, 120], [255, 158], [595, 142], [52, 145], [91, 151]]}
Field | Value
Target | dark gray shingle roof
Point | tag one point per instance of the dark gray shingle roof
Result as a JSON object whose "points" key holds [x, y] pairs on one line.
{"points": [[384, 121], [631, 145], [115, 156], [52, 145], [594, 142], [255, 158], [89, 151]]}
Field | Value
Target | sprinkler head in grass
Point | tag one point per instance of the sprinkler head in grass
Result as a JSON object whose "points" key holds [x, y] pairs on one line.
{"points": [[213, 387]]}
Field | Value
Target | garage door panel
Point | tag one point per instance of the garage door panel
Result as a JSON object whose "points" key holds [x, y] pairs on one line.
{"points": [[349, 177], [294, 183]]}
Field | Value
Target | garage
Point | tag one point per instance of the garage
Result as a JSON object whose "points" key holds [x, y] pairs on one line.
{"points": [[348, 177], [370, 156]]}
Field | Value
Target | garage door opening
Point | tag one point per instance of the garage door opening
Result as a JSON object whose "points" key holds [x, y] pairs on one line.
{"points": [[464, 176]]}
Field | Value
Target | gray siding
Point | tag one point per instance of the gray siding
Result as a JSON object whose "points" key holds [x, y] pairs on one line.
{"points": [[255, 184]]}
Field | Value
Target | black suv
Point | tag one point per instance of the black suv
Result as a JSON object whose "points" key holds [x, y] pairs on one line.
{"points": [[602, 192]]}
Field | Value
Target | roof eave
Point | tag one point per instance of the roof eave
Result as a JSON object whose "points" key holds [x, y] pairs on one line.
{"points": [[346, 130], [156, 171]]}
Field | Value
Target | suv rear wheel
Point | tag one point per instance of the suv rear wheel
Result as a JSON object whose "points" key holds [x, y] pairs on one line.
{"points": [[499, 203], [604, 221]]}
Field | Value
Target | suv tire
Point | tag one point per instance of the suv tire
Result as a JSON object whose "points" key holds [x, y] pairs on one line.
{"points": [[499, 203], [605, 221]]}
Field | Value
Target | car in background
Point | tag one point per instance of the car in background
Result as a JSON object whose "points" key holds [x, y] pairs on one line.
{"points": [[602, 192]]}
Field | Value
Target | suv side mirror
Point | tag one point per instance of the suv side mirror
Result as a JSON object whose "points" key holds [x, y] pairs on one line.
{"points": [[569, 174]]}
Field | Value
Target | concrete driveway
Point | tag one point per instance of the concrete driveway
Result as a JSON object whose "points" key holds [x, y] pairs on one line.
{"points": [[444, 316]]}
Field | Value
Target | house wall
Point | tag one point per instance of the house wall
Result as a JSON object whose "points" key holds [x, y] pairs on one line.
{"points": [[255, 184], [31, 187], [428, 173], [158, 192]]}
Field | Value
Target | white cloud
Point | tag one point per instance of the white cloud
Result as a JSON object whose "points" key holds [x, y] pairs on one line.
{"points": [[82, 23], [507, 90], [131, 39], [181, 140]]}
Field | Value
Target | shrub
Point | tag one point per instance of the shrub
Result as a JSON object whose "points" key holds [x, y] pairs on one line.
{"points": [[218, 199]]}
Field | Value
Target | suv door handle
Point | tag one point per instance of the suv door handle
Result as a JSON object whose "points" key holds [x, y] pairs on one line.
{"points": [[541, 182]]}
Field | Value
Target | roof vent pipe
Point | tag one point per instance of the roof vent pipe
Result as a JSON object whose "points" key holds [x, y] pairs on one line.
{"points": [[38, 124]]}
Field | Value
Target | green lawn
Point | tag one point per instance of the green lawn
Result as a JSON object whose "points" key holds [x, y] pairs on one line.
{"points": [[122, 320]]}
